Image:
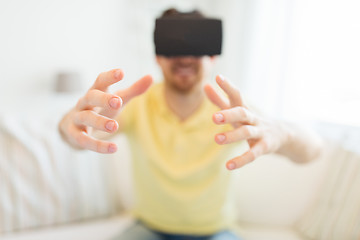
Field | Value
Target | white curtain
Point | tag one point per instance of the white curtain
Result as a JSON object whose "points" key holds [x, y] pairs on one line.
{"points": [[301, 59], [323, 74]]}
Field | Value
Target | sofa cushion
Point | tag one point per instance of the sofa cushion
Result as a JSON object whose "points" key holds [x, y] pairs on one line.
{"points": [[105, 229], [267, 232], [45, 182], [99, 229], [274, 191]]}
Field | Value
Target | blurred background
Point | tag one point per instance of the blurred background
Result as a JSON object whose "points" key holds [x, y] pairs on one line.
{"points": [[293, 59]]}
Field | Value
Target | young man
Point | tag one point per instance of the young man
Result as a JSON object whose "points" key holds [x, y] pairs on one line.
{"points": [[182, 187]]}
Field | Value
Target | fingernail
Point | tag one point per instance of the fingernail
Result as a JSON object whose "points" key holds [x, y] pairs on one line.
{"points": [[112, 148], [110, 125], [221, 138], [219, 117], [222, 78], [114, 102], [231, 165], [117, 73]]}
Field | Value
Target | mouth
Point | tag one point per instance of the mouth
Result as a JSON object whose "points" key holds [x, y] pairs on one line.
{"points": [[184, 71]]}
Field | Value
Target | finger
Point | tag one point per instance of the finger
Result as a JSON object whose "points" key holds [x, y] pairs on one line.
{"points": [[230, 90], [96, 98], [242, 133], [216, 98], [136, 89], [254, 152], [105, 79], [235, 115], [95, 120], [85, 141]]}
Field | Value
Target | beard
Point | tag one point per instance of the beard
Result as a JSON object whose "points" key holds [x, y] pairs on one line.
{"points": [[183, 78]]}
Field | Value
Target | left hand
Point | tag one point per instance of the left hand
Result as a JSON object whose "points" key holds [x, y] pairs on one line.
{"points": [[263, 136]]}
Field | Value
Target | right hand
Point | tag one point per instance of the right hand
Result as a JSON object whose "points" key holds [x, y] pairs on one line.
{"points": [[97, 110]]}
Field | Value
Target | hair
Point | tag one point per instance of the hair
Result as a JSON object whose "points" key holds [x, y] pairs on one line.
{"points": [[173, 12]]}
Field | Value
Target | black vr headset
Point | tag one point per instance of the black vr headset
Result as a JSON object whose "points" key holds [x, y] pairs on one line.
{"points": [[174, 36]]}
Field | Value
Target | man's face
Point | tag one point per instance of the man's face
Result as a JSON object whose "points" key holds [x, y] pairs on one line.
{"points": [[183, 73]]}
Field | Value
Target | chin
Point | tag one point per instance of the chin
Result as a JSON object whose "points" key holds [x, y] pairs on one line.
{"points": [[182, 88], [185, 84]]}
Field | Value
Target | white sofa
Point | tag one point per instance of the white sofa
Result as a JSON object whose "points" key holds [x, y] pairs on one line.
{"points": [[50, 191]]}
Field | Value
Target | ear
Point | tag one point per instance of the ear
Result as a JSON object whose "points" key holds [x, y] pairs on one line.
{"points": [[158, 59]]}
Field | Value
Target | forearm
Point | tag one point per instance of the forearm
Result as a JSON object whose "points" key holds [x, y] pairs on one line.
{"points": [[300, 144]]}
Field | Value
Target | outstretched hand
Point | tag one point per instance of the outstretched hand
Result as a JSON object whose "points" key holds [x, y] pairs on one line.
{"points": [[97, 110], [263, 136]]}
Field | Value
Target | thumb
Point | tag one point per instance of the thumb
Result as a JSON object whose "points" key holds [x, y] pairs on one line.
{"points": [[139, 87]]}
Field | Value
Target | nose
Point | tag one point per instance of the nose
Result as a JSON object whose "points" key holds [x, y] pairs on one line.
{"points": [[186, 59]]}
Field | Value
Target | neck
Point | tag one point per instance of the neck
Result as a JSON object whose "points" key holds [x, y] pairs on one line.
{"points": [[184, 104]]}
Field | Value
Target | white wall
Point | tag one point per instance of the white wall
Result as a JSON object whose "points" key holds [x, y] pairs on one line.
{"points": [[40, 38]]}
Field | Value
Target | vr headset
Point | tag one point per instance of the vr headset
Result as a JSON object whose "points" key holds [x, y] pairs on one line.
{"points": [[175, 36]]}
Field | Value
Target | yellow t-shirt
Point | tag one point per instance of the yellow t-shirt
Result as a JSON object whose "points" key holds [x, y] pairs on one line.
{"points": [[180, 179]]}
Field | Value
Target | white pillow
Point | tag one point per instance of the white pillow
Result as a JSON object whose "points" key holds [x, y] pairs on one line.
{"points": [[44, 182], [336, 213]]}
